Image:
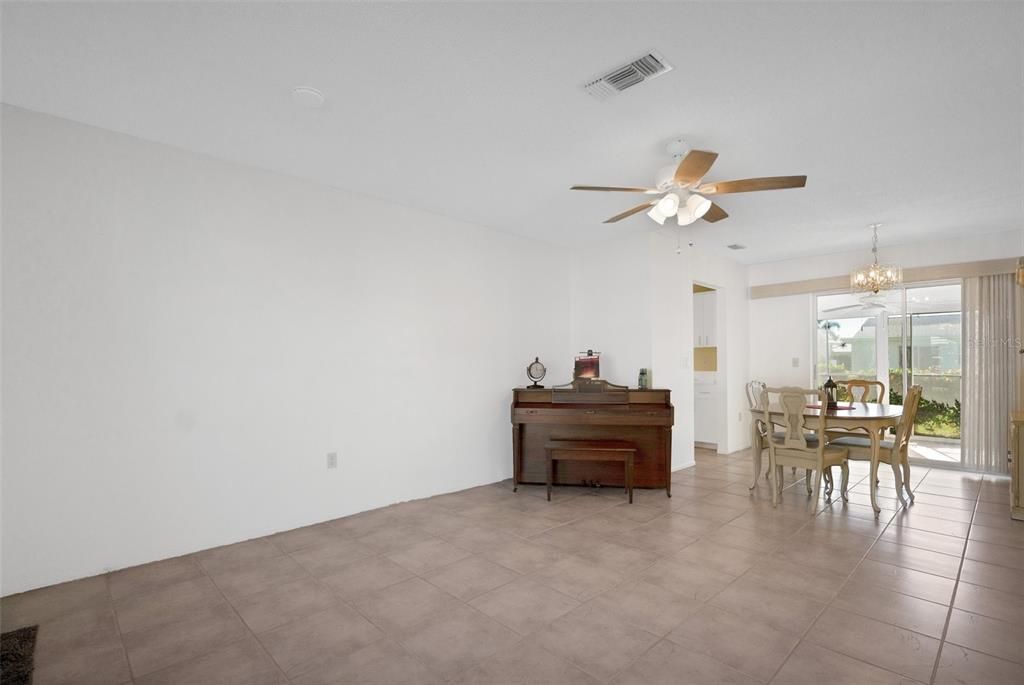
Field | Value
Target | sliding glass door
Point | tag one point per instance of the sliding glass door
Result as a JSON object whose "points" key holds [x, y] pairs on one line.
{"points": [[901, 337], [931, 356]]}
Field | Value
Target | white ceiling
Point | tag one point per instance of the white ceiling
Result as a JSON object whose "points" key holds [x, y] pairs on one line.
{"points": [[905, 113]]}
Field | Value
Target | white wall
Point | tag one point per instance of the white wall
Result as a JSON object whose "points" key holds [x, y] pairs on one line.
{"points": [[781, 331], [611, 305], [185, 339]]}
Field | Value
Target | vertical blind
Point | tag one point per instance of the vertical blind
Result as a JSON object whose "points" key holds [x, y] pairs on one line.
{"points": [[992, 369]]}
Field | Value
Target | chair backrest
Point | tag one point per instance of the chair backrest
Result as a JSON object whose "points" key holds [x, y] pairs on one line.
{"points": [[860, 390], [754, 389], [792, 402], [905, 428]]}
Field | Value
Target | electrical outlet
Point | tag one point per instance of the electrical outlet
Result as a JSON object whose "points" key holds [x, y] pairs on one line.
{"points": [[796, 362], [332, 460]]}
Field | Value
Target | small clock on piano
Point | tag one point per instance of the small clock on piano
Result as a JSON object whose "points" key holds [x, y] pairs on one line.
{"points": [[536, 371]]}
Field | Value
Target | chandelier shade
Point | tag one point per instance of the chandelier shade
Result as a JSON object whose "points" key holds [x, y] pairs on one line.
{"points": [[875, 277]]}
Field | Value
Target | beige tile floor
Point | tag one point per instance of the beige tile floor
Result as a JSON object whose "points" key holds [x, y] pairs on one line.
{"points": [[487, 586]]}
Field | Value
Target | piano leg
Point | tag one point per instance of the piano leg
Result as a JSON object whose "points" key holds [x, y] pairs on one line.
{"points": [[668, 461], [517, 454]]}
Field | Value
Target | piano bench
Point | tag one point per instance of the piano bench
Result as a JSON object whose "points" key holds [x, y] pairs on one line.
{"points": [[591, 450]]}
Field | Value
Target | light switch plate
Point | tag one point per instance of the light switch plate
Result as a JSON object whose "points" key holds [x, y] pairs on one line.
{"points": [[332, 460], [796, 362]]}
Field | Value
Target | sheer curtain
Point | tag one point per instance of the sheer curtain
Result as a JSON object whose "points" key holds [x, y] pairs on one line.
{"points": [[991, 369]]}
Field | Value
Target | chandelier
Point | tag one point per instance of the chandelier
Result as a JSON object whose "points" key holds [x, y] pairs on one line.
{"points": [[875, 276]]}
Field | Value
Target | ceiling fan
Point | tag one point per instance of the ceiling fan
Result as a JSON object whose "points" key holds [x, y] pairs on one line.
{"points": [[871, 304], [683, 195]]}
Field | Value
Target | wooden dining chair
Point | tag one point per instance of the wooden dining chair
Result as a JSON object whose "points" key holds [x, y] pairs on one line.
{"points": [[754, 391], [861, 391], [802, 442], [893, 452]]}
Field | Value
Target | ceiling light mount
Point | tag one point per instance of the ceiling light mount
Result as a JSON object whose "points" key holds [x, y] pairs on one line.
{"points": [[677, 148], [308, 97]]}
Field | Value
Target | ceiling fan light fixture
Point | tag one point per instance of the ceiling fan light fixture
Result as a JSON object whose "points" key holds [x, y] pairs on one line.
{"points": [[686, 216], [698, 205], [668, 205], [657, 216]]}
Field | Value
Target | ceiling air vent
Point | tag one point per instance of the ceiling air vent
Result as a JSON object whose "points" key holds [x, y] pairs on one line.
{"points": [[651, 65], [736, 246]]}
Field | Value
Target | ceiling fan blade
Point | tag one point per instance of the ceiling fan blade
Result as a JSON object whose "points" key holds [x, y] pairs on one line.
{"points": [[618, 189], [694, 166], [629, 212], [865, 309], [747, 185], [714, 214], [847, 309]]}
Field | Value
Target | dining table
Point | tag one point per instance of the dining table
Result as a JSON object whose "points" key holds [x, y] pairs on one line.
{"points": [[856, 417]]}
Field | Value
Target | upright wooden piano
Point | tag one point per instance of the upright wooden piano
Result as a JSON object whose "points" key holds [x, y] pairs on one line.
{"points": [[593, 410]]}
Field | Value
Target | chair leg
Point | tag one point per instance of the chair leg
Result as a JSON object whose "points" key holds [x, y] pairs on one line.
{"points": [[846, 481], [905, 463], [775, 482], [807, 480], [817, 485], [829, 483], [897, 477]]}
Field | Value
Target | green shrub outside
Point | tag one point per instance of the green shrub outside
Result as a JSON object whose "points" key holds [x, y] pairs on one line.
{"points": [[934, 419]]}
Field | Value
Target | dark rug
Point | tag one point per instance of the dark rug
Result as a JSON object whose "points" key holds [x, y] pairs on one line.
{"points": [[16, 650]]}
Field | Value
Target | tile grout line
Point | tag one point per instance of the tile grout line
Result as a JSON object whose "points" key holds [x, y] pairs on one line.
{"points": [[956, 586], [117, 626], [241, 620]]}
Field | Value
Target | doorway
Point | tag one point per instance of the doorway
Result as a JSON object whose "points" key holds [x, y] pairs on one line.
{"points": [[707, 423]]}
